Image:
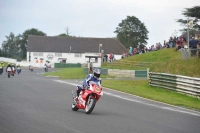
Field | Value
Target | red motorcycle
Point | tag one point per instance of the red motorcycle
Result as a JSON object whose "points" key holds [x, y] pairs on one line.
{"points": [[9, 73], [13, 72], [87, 98]]}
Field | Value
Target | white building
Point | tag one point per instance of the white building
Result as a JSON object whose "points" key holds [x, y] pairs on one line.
{"points": [[71, 50]]}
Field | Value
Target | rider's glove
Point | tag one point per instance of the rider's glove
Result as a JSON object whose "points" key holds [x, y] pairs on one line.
{"points": [[85, 86]]}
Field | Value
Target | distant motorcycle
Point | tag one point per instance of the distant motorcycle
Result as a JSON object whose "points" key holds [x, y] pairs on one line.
{"points": [[9, 73], [31, 68], [46, 69], [87, 98], [18, 70], [1, 70], [13, 72]]}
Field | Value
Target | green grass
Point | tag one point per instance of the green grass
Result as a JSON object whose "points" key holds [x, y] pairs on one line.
{"points": [[142, 88], [72, 73], [164, 61]]}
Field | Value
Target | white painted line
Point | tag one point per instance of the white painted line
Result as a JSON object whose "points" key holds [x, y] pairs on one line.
{"points": [[137, 101], [52, 76]]}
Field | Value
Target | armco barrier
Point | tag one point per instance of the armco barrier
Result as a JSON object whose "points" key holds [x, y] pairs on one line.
{"points": [[121, 73], [60, 65], [181, 84], [103, 70]]}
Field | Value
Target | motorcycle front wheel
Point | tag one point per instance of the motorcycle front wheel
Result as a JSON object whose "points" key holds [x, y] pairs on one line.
{"points": [[90, 105], [74, 106]]}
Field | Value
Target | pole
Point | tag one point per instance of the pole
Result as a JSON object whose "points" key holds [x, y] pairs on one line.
{"points": [[188, 38], [188, 31]]}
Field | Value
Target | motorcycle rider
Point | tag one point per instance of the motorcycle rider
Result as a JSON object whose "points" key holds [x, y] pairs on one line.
{"points": [[1, 65], [95, 77], [13, 67], [18, 69], [9, 67], [46, 67]]}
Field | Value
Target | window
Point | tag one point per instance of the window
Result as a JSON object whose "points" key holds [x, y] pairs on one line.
{"points": [[77, 55], [37, 54], [58, 54]]}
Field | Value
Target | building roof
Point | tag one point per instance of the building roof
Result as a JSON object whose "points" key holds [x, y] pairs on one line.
{"points": [[60, 44]]}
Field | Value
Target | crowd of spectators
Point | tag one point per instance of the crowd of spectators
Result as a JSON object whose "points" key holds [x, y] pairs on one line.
{"points": [[173, 42]]}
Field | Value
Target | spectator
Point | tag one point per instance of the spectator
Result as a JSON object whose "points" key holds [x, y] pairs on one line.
{"points": [[106, 57], [110, 57], [135, 51], [178, 45], [170, 42], [181, 40], [152, 48], [198, 49], [143, 50], [138, 50], [159, 44], [184, 39], [199, 36], [113, 57], [167, 45], [185, 45], [190, 37], [193, 45], [123, 55], [130, 51], [149, 48], [157, 47], [174, 42], [196, 37]]}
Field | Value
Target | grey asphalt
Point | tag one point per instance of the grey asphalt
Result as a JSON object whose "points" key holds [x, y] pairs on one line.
{"points": [[32, 103]]}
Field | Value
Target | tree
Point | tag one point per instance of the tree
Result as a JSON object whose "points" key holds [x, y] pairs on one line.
{"points": [[191, 13], [24, 39], [63, 34], [132, 32]]}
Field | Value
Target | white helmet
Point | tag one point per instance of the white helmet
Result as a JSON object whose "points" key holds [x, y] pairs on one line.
{"points": [[97, 73]]}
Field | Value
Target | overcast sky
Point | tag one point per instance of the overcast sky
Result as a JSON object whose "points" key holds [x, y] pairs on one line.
{"points": [[91, 18]]}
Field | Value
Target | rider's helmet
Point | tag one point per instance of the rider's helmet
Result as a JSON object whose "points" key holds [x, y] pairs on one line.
{"points": [[97, 73]]}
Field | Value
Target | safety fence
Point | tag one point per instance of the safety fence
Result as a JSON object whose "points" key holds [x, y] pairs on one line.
{"points": [[129, 64], [122, 73], [63, 65], [188, 53], [181, 84]]}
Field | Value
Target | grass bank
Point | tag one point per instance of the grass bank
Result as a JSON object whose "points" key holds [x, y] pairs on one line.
{"points": [[163, 61], [142, 88]]}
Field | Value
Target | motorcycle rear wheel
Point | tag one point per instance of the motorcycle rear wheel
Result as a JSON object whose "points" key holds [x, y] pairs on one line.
{"points": [[90, 105]]}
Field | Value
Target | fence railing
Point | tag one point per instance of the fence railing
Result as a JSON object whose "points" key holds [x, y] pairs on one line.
{"points": [[181, 84], [125, 63], [121, 73], [188, 53]]}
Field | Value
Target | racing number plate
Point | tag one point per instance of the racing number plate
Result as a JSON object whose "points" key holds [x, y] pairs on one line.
{"points": [[97, 89]]}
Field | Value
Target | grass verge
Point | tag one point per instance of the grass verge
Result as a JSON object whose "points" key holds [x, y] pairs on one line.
{"points": [[142, 88]]}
